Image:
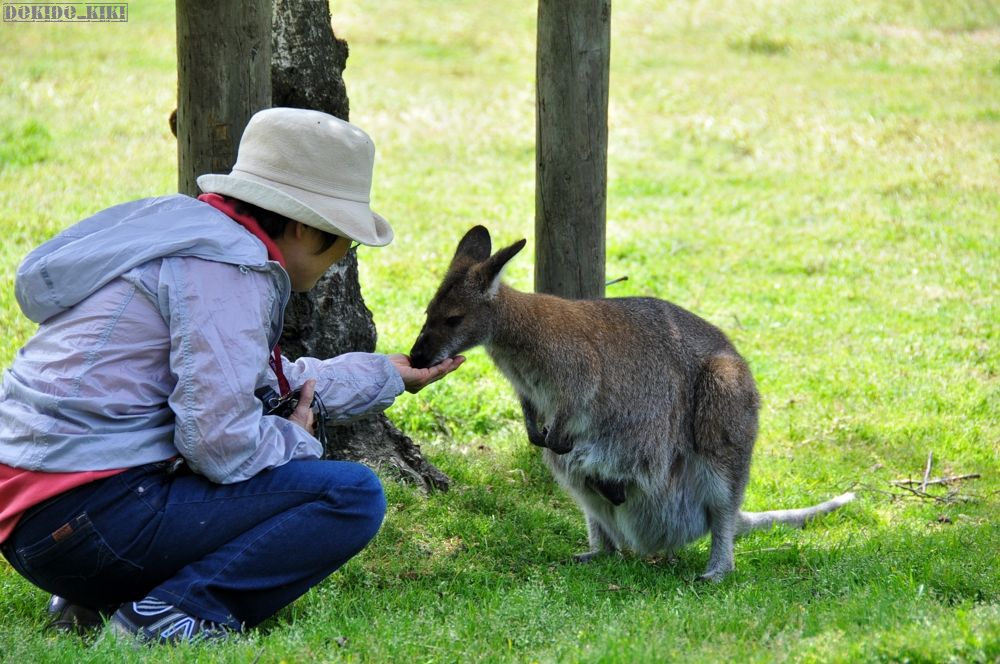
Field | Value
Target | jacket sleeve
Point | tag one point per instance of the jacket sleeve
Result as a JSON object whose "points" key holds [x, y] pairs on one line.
{"points": [[350, 385], [219, 316]]}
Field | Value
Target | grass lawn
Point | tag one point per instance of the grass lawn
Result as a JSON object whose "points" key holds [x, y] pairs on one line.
{"points": [[820, 179]]}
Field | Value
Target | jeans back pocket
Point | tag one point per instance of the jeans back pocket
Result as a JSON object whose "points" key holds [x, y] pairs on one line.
{"points": [[74, 552]]}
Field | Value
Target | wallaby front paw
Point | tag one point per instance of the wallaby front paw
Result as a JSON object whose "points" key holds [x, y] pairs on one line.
{"points": [[556, 442], [537, 439]]}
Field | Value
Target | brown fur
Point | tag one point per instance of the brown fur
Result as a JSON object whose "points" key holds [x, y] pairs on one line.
{"points": [[647, 413]]}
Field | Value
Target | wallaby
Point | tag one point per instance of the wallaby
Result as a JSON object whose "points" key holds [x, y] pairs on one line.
{"points": [[647, 413]]}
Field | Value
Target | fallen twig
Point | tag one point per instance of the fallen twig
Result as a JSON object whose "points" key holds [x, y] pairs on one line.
{"points": [[937, 480], [918, 488], [918, 493], [950, 497], [927, 470], [907, 489]]}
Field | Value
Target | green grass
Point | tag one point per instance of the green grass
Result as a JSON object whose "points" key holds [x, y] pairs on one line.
{"points": [[820, 179]]}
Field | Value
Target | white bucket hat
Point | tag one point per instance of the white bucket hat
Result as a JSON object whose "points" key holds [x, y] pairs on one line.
{"points": [[308, 166]]}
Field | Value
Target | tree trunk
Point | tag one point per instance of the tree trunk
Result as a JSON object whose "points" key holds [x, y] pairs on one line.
{"points": [[571, 156], [227, 70], [306, 72], [223, 77]]}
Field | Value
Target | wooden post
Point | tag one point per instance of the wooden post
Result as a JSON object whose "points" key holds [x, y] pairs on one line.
{"points": [[571, 154], [223, 77]]}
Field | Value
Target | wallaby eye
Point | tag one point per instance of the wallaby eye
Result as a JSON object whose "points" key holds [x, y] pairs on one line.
{"points": [[453, 321]]}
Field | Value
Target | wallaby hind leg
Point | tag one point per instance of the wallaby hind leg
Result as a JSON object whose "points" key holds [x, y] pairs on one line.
{"points": [[723, 522], [601, 543], [726, 404]]}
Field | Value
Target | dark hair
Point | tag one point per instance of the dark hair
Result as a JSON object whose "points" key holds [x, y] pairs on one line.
{"points": [[275, 224]]}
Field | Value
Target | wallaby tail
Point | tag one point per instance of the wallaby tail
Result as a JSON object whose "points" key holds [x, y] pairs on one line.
{"points": [[795, 518]]}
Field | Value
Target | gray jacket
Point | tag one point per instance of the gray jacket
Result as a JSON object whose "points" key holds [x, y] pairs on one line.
{"points": [[156, 320]]}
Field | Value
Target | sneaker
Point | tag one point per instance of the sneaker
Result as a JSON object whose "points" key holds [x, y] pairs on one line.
{"points": [[65, 616], [153, 621]]}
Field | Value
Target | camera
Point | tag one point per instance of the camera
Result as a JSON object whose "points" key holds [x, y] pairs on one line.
{"points": [[283, 406], [275, 404]]}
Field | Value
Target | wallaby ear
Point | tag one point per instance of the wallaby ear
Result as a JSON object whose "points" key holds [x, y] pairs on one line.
{"points": [[490, 271], [475, 244]]}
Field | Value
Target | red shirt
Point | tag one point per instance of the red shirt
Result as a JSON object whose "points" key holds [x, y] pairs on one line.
{"points": [[22, 489]]}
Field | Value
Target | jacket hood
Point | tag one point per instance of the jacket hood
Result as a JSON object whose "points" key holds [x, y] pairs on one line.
{"points": [[76, 263]]}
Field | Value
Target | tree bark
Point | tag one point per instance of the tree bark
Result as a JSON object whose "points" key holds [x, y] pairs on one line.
{"points": [[571, 156], [306, 72], [223, 77]]}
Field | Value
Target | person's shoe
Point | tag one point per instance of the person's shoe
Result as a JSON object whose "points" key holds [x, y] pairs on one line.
{"points": [[153, 621], [65, 616]]}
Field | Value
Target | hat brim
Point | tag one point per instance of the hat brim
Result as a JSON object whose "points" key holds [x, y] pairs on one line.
{"points": [[340, 216]]}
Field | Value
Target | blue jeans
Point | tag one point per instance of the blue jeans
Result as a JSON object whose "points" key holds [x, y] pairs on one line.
{"points": [[231, 553]]}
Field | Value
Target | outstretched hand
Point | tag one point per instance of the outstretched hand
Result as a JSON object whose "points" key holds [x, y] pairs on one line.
{"points": [[417, 379]]}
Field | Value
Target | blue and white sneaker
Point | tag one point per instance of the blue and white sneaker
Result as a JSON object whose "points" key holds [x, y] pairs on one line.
{"points": [[153, 621]]}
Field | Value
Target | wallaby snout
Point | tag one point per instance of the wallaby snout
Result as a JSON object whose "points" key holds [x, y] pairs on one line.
{"points": [[424, 350], [439, 340]]}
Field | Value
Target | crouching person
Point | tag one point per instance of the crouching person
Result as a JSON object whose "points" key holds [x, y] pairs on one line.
{"points": [[141, 482]]}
